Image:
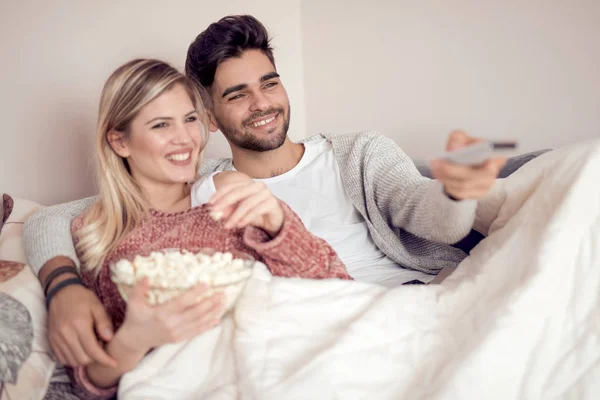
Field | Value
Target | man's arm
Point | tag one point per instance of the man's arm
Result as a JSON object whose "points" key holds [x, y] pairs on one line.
{"points": [[75, 312], [47, 235], [411, 201]]}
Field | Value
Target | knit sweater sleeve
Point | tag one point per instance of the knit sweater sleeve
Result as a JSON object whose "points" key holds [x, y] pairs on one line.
{"points": [[47, 234], [84, 389], [295, 252], [411, 201]]}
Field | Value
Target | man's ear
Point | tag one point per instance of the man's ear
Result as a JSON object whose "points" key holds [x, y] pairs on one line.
{"points": [[212, 122], [118, 143]]}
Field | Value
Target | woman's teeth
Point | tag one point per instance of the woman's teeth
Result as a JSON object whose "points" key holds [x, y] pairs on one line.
{"points": [[263, 122], [178, 157]]}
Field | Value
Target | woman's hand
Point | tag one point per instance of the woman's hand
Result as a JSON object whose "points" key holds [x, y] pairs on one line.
{"points": [[240, 202], [147, 326]]}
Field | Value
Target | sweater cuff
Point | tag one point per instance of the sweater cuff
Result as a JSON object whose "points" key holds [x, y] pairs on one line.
{"points": [[86, 390], [261, 241], [454, 218]]}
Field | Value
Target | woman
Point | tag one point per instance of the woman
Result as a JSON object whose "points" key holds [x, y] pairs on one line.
{"points": [[151, 131]]}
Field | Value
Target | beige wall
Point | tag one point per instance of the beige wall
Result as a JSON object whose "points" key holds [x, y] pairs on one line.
{"points": [[512, 69], [57, 54], [413, 70]]}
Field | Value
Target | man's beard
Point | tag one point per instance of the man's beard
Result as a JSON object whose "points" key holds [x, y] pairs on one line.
{"points": [[247, 140]]}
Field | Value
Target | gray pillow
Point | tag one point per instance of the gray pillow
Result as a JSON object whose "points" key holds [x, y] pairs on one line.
{"points": [[513, 164]]}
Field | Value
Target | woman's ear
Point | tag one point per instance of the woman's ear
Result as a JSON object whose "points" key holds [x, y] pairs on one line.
{"points": [[118, 143]]}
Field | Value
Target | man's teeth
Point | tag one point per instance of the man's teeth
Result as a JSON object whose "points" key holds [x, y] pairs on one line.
{"points": [[263, 122], [178, 157]]}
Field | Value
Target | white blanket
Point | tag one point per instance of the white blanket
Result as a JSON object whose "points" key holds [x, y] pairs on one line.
{"points": [[518, 319]]}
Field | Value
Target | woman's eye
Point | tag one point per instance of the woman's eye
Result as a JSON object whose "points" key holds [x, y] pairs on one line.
{"points": [[160, 125], [191, 119]]}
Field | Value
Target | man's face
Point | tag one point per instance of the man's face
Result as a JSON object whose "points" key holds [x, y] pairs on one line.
{"points": [[251, 106]]}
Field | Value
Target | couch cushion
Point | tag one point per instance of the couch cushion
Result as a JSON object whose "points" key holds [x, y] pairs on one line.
{"points": [[6, 207], [26, 364], [512, 164]]}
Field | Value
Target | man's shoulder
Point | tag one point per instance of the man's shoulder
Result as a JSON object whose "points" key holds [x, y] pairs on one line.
{"points": [[210, 165], [351, 138], [347, 143]]}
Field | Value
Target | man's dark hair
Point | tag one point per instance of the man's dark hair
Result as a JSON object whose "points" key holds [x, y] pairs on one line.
{"points": [[222, 40]]}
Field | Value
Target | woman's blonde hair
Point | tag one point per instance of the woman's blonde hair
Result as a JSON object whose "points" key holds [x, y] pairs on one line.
{"points": [[122, 204]]}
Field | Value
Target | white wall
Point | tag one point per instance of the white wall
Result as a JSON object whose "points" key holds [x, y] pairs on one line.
{"points": [[57, 54], [414, 70]]}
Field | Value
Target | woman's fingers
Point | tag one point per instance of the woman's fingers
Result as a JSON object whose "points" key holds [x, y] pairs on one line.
{"points": [[247, 206], [231, 194]]}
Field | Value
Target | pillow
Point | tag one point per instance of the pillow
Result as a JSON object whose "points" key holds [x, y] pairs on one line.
{"points": [[11, 246], [26, 364], [6, 207]]}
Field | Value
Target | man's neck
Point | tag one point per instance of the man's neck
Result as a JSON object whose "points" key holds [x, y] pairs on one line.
{"points": [[267, 164]]}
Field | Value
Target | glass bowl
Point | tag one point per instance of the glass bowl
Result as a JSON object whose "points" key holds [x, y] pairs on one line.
{"points": [[171, 272]]}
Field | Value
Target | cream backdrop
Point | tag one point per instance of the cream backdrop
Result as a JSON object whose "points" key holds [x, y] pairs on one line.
{"points": [[413, 70], [57, 54]]}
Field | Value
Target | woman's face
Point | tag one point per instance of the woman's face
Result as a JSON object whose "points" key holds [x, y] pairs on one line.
{"points": [[165, 140]]}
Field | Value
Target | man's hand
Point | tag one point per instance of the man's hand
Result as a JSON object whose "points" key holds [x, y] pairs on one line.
{"points": [[466, 182], [74, 313]]}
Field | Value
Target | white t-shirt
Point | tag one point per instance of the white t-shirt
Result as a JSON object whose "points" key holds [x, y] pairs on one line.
{"points": [[314, 190]]}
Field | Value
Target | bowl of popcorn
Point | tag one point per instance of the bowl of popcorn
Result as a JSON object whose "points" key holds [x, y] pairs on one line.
{"points": [[171, 272]]}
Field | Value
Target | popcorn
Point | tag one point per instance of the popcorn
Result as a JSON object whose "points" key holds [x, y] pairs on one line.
{"points": [[172, 272]]}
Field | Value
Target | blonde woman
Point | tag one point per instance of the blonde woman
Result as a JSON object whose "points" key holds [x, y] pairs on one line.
{"points": [[151, 131]]}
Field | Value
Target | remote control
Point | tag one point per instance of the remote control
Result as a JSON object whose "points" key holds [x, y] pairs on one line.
{"points": [[478, 153]]}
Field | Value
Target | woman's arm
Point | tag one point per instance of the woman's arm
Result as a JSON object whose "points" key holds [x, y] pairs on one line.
{"points": [[294, 251], [273, 230], [96, 381]]}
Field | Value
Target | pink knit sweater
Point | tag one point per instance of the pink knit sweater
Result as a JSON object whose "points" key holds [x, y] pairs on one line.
{"points": [[294, 252]]}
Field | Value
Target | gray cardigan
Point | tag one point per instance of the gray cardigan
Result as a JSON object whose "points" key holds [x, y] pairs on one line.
{"points": [[408, 215]]}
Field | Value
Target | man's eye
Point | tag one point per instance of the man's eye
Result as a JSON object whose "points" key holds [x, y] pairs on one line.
{"points": [[160, 125], [191, 119], [270, 85], [236, 97]]}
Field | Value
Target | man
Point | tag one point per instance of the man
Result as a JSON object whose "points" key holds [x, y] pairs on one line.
{"points": [[359, 192]]}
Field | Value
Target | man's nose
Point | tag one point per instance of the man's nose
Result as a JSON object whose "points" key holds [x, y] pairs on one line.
{"points": [[260, 102]]}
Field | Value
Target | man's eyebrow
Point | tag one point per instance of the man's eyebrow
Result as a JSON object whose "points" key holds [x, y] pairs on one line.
{"points": [[243, 86], [234, 89], [268, 76]]}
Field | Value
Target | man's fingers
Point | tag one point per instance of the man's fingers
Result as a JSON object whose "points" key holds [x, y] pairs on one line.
{"points": [[102, 323], [95, 351], [446, 170], [58, 352], [78, 352], [459, 139], [69, 359]]}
